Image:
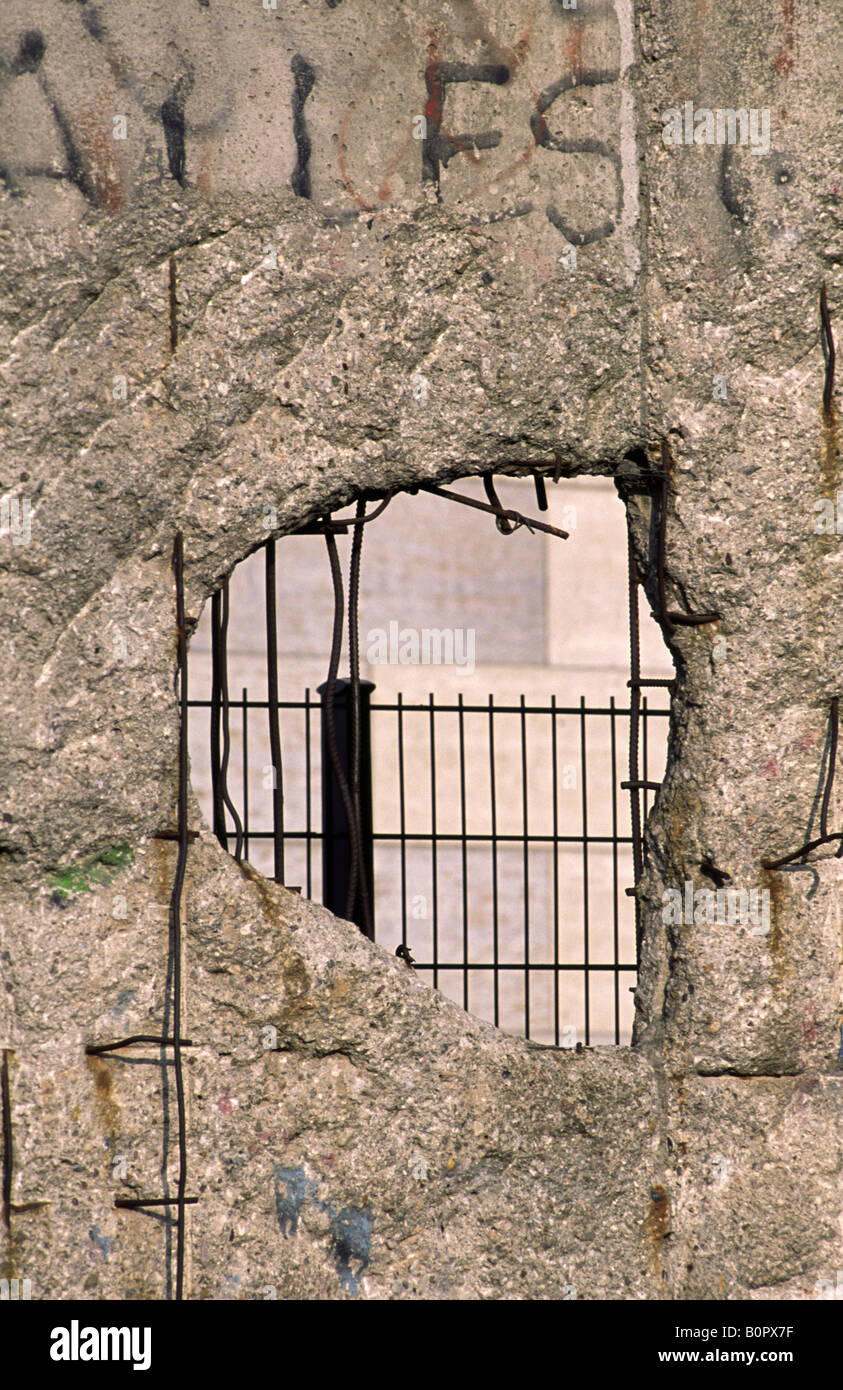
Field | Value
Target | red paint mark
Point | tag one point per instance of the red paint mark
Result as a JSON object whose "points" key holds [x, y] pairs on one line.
{"points": [[770, 769], [806, 1086], [226, 1102], [698, 29], [544, 265], [809, 1026], [435, 104], [807, 741], [514, 58], [385, 188], [95, 124], [783, 61], [204, 182], [573, 49]]}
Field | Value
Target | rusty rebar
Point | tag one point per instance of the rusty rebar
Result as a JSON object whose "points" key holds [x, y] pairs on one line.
{"points": [[498, 512], [217, 801], [634, 716], [98, 1049], [337, 526], [662, 548], [502, 522], [799, 853], [8, 1150], [834, 724], [173, 305], [828, 352], [175, 904], [133, 1203], [361, 518], [824, 837]]}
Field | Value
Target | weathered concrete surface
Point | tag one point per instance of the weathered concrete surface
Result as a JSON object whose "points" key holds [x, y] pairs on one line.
{"points": [[328, 1089], [354, 1133], [739, 244], [244, 417], [602, 1173]]}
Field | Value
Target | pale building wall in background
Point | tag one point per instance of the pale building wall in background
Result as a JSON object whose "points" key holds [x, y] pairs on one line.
{"points": [[549, 618]]}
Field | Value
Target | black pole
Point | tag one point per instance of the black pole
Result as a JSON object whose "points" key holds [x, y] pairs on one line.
{"points": [[336, 844]]}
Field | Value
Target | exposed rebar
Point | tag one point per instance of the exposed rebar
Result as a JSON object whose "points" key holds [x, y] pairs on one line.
{"points": [[175, 905], [829, 353], [501, 513], [634, 715], [8, 1151]]}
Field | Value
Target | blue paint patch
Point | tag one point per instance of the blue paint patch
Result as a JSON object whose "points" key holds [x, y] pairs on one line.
{"points": [[105, 1244], [124, 999], [840, 1053], [351, 1233], [290, 1193], [350, 1229]]}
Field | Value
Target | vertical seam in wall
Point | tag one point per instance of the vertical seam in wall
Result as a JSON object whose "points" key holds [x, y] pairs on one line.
{"points": [[629, 150], [635, 198]]}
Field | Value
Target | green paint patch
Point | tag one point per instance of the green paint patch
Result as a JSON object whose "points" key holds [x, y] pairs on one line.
{"points": [[82, 878]]}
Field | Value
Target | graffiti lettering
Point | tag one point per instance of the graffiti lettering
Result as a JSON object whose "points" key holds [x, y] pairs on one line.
{"points": [[172, 119], [580, 77], [304, 78], [29, 59], [439, 148], [99, 147]]}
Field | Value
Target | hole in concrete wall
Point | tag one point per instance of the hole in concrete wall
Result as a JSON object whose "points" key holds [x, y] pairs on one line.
{"points": [[499, 713]]}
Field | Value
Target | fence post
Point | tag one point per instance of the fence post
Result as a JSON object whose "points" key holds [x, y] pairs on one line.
{"points": [[336, 847]]}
